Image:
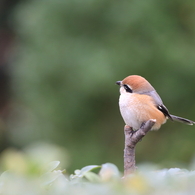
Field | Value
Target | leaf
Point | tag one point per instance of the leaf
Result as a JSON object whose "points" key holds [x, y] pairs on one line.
{"points": [[50, 177], [51, 166], [93, 177], [88, 168], [81, 173], [109, 171]]}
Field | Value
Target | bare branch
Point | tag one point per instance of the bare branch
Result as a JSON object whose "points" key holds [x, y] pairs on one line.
{"points": [[131, 139]]}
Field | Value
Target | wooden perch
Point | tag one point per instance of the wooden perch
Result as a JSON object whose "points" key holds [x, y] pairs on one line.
{"points": [[131, 139]]}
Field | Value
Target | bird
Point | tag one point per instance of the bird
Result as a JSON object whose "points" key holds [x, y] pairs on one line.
{"points": [[139, 102]]}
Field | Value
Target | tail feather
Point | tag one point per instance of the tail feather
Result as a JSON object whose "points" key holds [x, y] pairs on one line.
{"points": [[182, 120]]}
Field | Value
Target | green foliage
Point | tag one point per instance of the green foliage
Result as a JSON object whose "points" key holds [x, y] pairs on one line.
{"points": [[69, 55], [106, 179]]}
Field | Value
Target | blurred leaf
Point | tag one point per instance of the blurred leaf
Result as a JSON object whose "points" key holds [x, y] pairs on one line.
{"points": [[137, 183], [15, 161], [50, 177], [51, 152], [92, 177], [109, 171], [51, 166], [81, 173]]}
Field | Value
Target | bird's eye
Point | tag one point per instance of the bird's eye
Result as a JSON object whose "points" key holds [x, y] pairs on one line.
{"points": [[128, 89]]}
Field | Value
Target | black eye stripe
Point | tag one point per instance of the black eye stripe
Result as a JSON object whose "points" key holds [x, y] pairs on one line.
{"points": [[127, 88]]}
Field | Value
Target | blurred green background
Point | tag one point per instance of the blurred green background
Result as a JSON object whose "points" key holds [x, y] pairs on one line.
{"points": [[60, 60]]}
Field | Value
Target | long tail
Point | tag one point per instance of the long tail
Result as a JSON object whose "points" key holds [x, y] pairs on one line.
{"points": [[182, 120]]}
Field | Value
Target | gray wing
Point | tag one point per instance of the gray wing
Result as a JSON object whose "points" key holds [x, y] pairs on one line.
{"points": [[159, 103]]}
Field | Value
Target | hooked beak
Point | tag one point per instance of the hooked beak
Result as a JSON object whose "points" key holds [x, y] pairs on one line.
{"points": [[118, 83]]}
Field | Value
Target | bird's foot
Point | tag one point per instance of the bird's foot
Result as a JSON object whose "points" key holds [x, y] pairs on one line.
{"points": [[132, 132]]}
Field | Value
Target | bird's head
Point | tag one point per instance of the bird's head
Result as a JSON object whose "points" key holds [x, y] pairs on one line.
{"points": [[134, 84]]}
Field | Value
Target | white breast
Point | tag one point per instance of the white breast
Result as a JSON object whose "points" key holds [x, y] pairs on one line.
{"points": [[130, 110]]}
